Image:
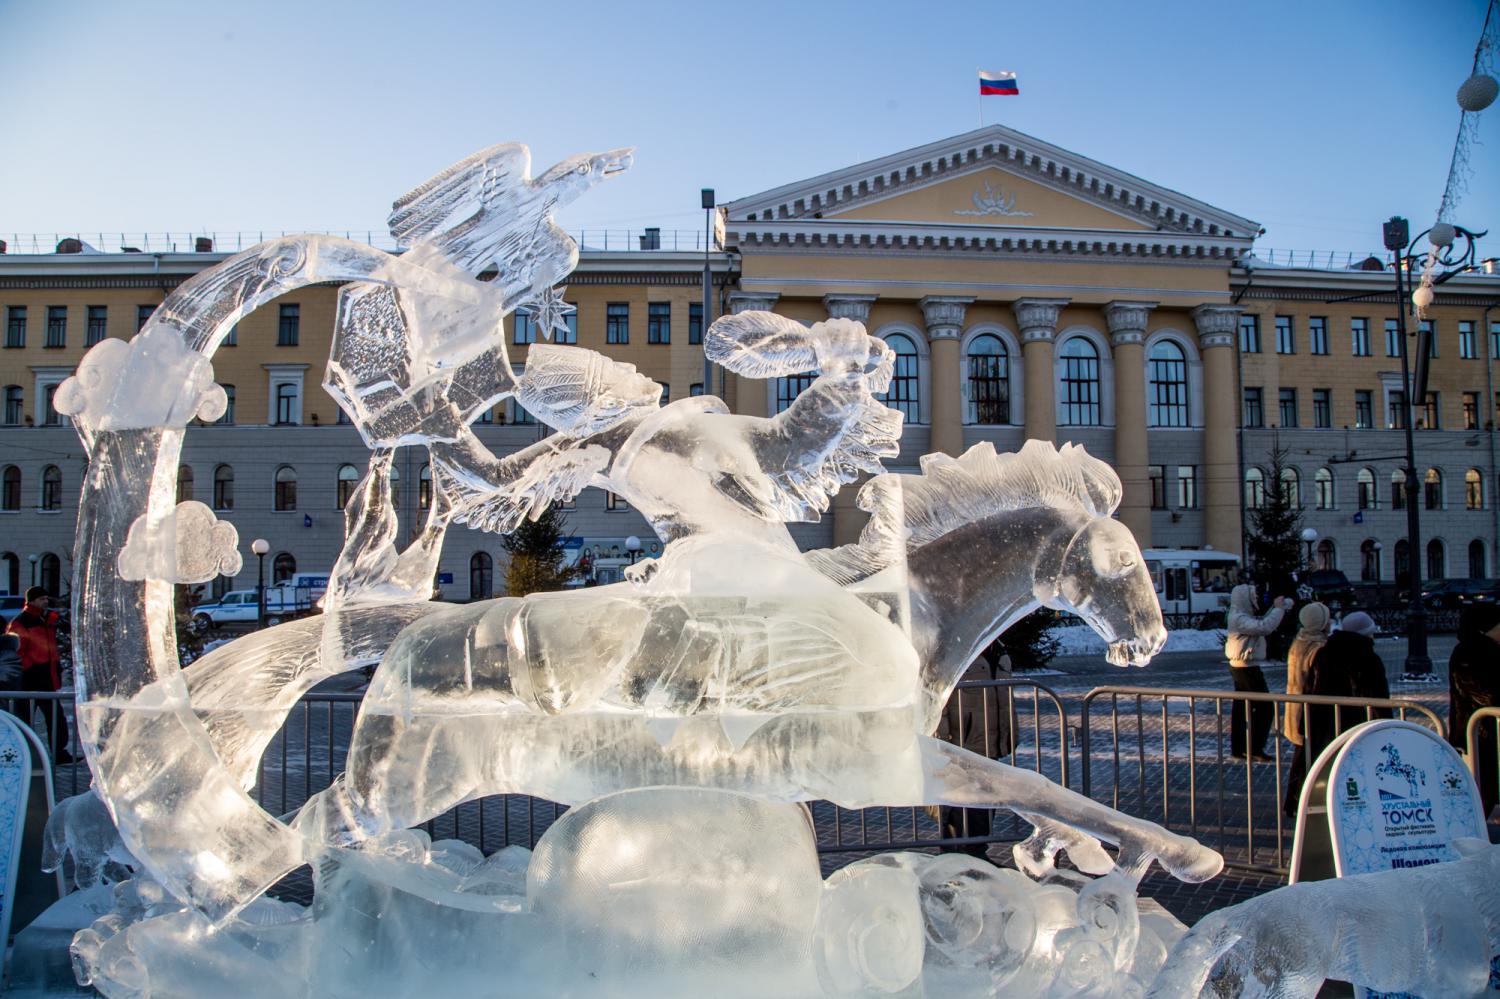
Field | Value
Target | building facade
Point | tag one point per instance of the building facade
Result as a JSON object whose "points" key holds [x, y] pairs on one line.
{"points": [[1025, 290]]}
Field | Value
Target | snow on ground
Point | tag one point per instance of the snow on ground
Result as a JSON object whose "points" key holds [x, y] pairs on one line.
{"points": [[1080, 640]]}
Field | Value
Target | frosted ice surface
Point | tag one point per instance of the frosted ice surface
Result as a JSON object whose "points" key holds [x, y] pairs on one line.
{"points": [[110, 390], [188, 545]]}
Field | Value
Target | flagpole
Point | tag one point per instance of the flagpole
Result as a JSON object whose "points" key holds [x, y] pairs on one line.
{"points": [[979, 96]]}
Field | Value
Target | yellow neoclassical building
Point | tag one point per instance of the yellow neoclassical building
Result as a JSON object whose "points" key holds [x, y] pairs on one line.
{"points": [[1027, 291]]}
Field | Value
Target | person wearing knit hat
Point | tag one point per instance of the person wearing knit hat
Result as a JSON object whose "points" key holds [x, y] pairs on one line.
{"points": [[1346, 666], [1474, 683], [1314, 620]]}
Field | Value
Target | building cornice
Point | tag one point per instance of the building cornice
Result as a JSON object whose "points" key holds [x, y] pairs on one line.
{"points": [[1112, 245], [1012, 151]]}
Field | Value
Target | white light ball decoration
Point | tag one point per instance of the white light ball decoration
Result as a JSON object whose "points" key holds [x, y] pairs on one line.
{"points": [[1477, 92], [1442, 235], [1422, 298]]}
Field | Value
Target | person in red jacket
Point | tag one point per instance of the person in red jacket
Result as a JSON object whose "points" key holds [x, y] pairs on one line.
{"points": [[41, 667]]}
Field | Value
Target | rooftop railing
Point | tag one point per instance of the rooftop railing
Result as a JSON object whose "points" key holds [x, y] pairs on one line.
{"points": [[589, 239]]}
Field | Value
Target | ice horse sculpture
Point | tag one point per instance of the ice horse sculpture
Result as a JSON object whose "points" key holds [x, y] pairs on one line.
{"points": [[684, 710]]}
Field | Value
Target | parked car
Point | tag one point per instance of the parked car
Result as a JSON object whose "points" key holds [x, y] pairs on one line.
{"points": [[1452, 593], [10, 606], [1331, 587], [236, 606]]}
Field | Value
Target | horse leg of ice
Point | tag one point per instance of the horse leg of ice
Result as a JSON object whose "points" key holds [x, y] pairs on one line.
{"points": [[958, 777]]}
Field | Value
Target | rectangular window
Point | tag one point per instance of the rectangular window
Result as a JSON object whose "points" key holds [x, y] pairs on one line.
{"points": [[486, 416], [1286, 336], [57, 326], [1392, 339], [617, 322], [525, 328], [695, 389], [614, 501], [695, 323], [1359, 337], [1255, 411], [1158, 486], [1249, 334], [1495, 340], [289, 329], [1396, 418], [50, 416], [1288, 407], [15, 326], [286, 403], [232, 338], [143, 313], [1467, 348], [1427, 326], [1364, 409], [1471, 410], [228, 418], [1187, 487], [95, 330], [1322, 408], [15, 408], [666, 393], [659, 322], [1317, 334], [519, 414], [1429, 417], [569, 335]]}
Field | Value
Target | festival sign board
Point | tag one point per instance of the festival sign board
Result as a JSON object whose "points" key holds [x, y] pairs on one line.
{"points": [[15, 789], [1398, 796]]}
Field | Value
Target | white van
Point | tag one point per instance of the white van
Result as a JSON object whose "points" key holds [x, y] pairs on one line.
{"points": [[1192, 580]]}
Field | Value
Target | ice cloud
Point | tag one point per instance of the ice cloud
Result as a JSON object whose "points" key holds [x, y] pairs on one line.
{"points": [[152, 381], [189, 545]]}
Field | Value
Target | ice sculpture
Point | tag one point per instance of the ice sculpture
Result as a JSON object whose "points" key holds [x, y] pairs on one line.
{"points": [[685, 711]]}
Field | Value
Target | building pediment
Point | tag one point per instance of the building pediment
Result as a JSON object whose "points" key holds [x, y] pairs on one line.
{"points": [[993, 176]]}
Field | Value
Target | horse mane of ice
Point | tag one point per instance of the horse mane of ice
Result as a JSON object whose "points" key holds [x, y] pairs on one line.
{"points": [[909, 511]]}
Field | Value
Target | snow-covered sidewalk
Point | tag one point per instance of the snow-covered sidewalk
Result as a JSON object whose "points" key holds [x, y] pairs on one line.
{"points": [[1080, 640]]}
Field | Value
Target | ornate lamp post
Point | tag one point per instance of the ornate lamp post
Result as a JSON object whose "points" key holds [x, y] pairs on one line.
{"points": [[1377, 546], [260, 546], [633, 546], [1447, 261], [1309, 535], [33, 560]]}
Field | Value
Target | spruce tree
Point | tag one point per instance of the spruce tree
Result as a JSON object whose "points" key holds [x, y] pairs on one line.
{"points": [[1275, 536], [537, 556]]}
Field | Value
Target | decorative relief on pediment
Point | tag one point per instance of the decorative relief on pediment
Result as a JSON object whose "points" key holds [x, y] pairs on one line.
{"points": [[989, 201]]}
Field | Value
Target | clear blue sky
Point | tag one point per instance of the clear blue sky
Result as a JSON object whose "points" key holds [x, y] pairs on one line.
{"points": [[1317, 119]]}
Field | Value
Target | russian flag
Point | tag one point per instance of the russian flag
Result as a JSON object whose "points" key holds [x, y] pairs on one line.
{"points": [[998, 83]]}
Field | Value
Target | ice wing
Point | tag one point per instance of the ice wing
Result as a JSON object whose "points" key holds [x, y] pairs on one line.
{"points": [[491, 494], [459, 194]]}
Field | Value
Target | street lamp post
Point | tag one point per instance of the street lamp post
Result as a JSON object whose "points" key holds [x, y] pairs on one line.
{"points": [[1309, 535], [33, 560], [708, 238], [633, 546], [1443, 240], [260, 546], [1377, 546]]}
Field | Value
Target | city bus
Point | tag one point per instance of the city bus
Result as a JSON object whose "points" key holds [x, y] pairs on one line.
{"points": [[1192, 580]]}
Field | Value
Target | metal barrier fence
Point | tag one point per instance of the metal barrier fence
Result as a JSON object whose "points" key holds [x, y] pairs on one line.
{"points": [[1484, 761], [1175, 769], [1168, 764]]}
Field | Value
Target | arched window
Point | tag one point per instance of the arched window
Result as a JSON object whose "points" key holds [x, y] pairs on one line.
{"points": [[1327, 555], [51, 575], [1080, 383], [1255, 488], [1291, 487], [10, 491], [395, 489], [1169, 385], [1477, 561], [1403, 562], [903, 395], [989, 380], [424, 489], [10, 565], [1432, 491], [1369, 498], [481, 576], [1323, 497], [51, 488], [1437, 563], [1398, 490], [788, 388], [348, 481], [1473, 490], [184, 483], [1369, 561], [283, 568], [224, 487], [286, 488]]}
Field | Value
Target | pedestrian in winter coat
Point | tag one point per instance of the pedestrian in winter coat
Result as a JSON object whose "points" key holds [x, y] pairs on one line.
{"points": [[41, 666], [1474, 683], [1314, 620], [10, 662], [1246, 651], [1346, 666]]}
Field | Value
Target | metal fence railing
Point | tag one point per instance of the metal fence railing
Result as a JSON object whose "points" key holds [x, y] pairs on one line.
{"points": [[1484, 761], [1156, 753], [1164, 758]]}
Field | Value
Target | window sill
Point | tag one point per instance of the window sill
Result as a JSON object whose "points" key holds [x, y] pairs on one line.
{"points": [[49, 513], [9, 511]]}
